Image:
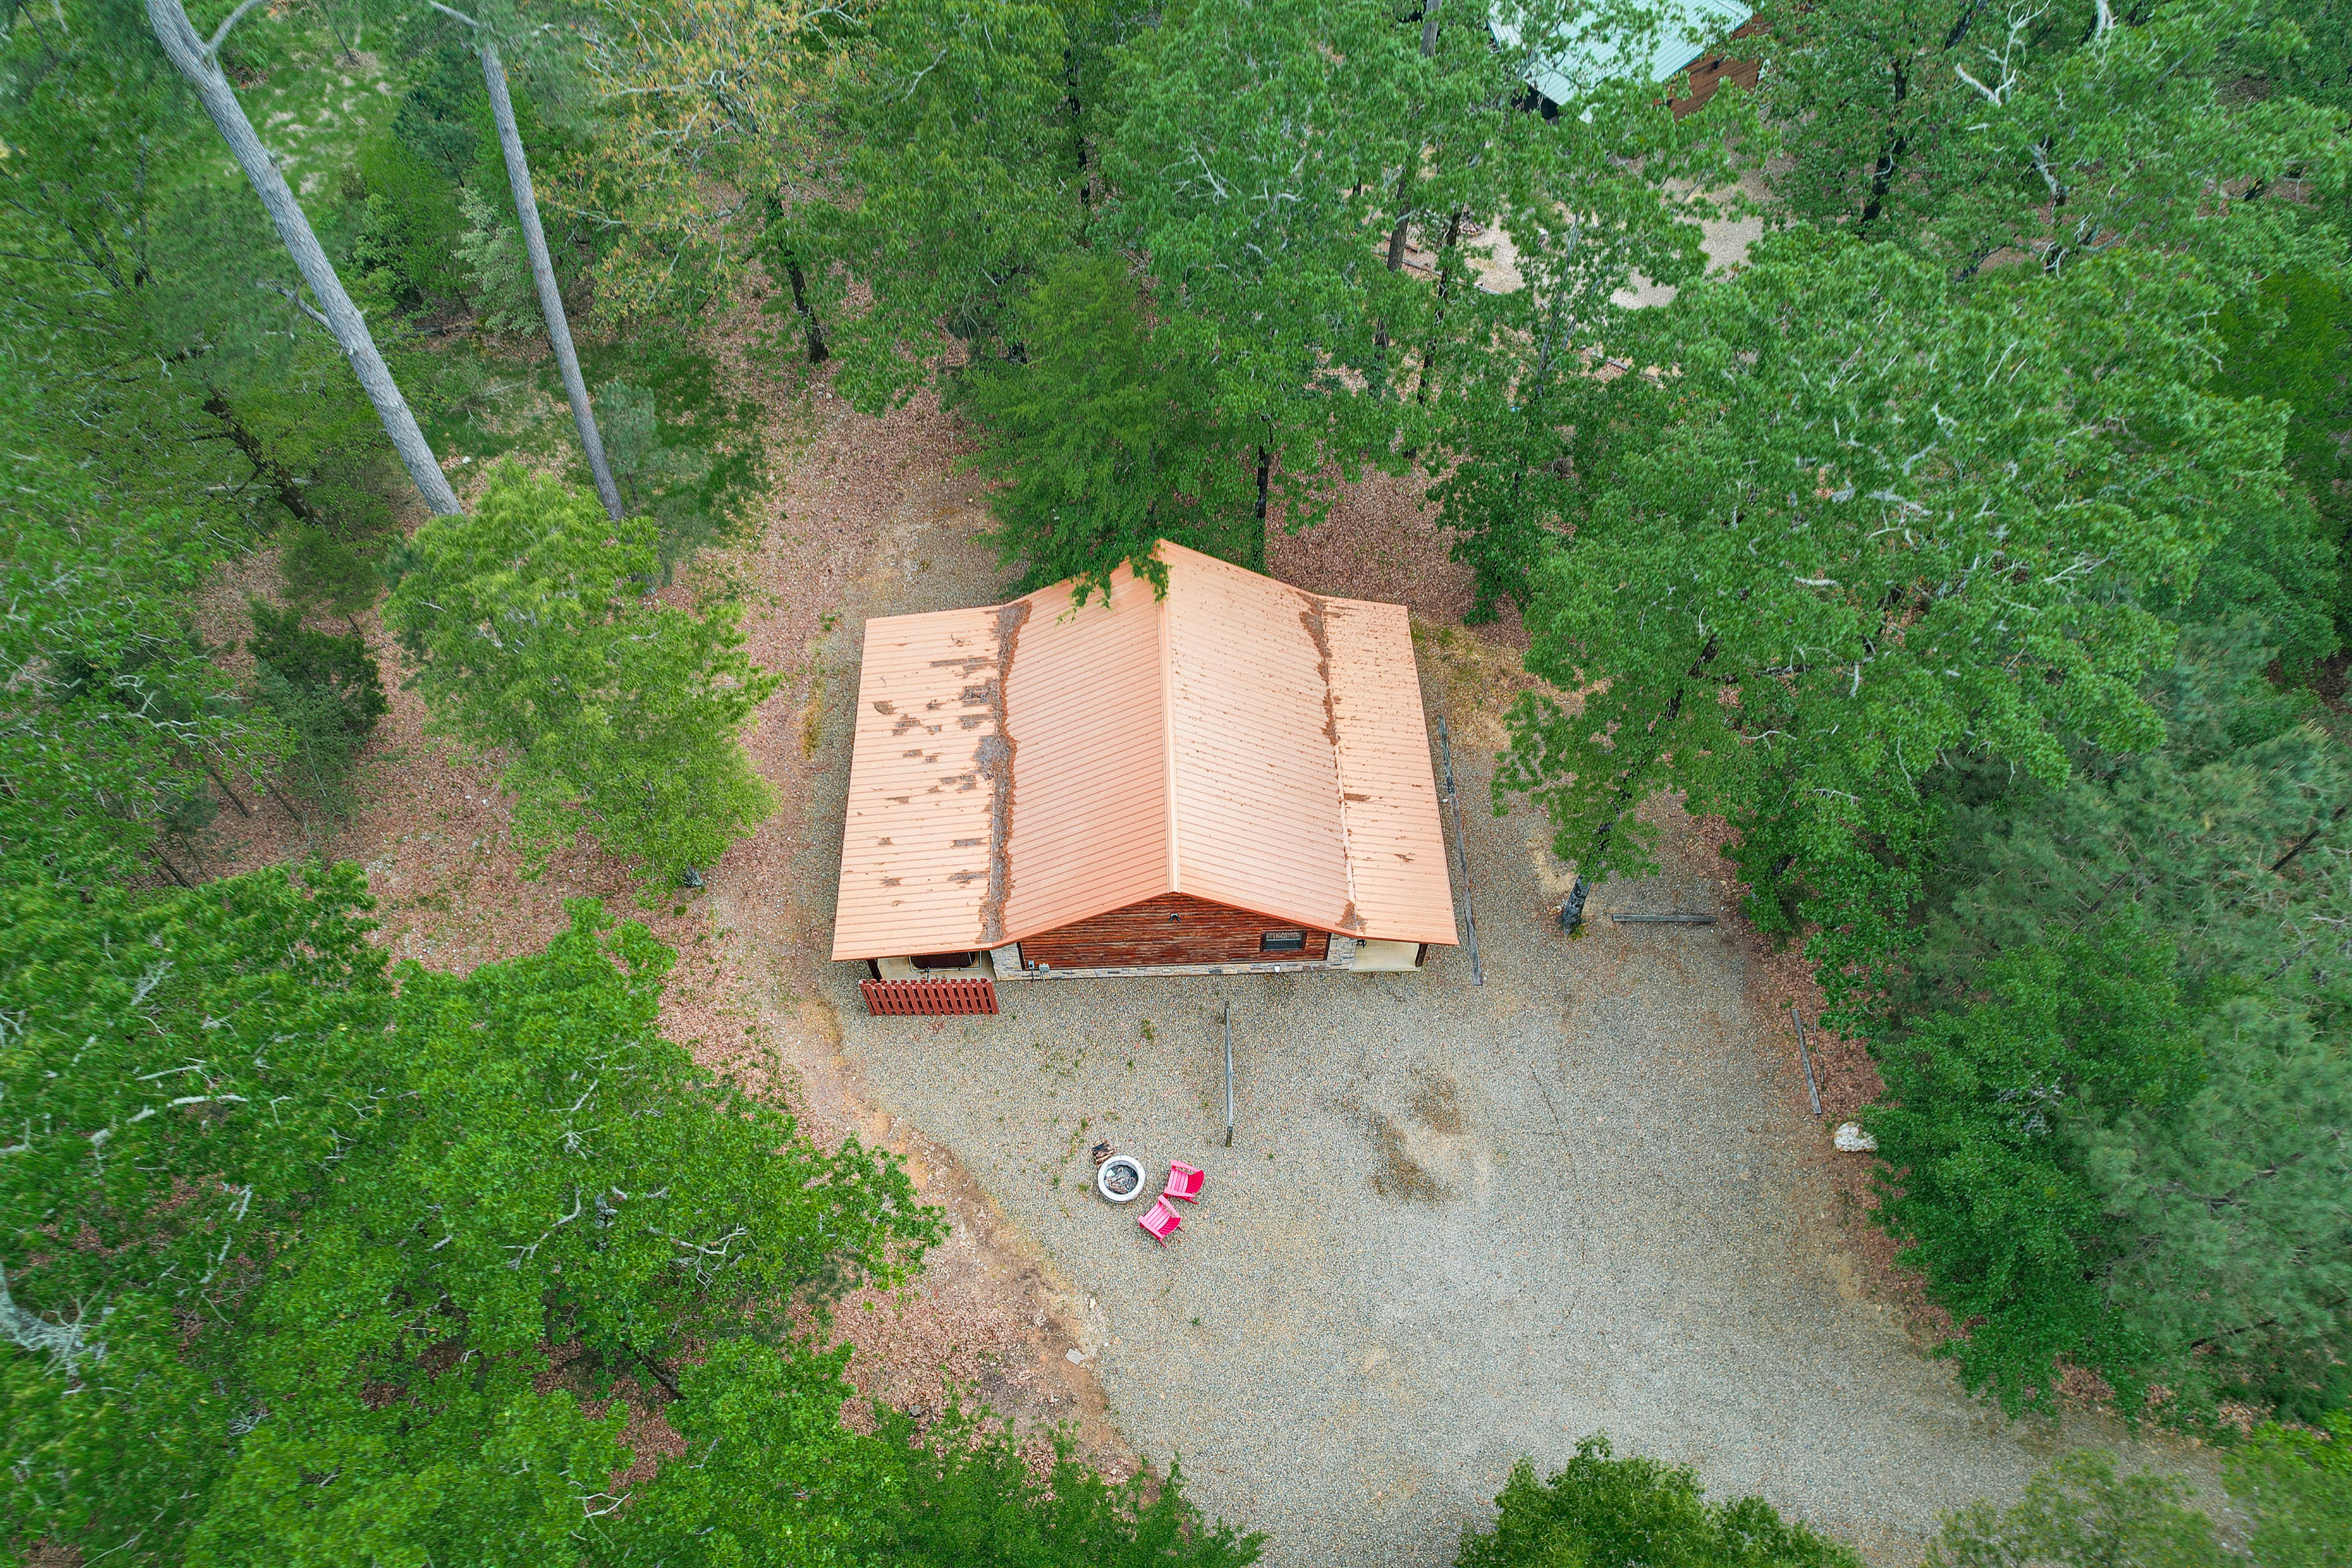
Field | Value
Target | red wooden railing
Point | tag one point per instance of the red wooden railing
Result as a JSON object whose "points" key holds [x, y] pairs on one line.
{"points": [[930, 998]]}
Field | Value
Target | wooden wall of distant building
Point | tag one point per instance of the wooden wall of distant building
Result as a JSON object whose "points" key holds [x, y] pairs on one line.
{"points": [[1174, 928], [1739, 62]]}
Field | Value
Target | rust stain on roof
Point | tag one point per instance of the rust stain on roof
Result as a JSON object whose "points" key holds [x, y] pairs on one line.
{"points": [[1238, 740], [993, 756]]}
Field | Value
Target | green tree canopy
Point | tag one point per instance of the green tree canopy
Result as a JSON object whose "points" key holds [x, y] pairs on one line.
{"points": [[963, 176], [1866, 520], [2079, 1514], [288, 1235], [1602, 1511], [532, 631], [1605, 197], [1973, 133], [2117, 1095], [2298, 1482], [112, 717], [773, 1477], [1100, 436], [2292, 342]]}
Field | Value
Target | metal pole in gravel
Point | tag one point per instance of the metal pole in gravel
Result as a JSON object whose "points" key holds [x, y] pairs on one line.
{"points": [[1805, 1057], [1229, 1072], [1470, 920]]}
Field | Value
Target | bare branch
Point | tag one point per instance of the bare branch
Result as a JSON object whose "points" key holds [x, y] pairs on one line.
{"points": [[220, 34], [296, 300]]}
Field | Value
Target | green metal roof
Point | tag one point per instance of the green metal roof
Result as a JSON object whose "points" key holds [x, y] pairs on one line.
{"points": [[1587, 55]]}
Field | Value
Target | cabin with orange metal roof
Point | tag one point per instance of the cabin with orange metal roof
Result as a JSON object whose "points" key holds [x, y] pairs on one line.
{"points": [[1232, 777]]}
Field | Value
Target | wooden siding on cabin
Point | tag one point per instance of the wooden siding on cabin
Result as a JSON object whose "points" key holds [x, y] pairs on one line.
{"points": [[1142, 935], [1739, 66]]}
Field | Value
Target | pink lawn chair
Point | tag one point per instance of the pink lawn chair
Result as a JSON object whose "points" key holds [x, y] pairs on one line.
{"points": [[1185, 1182], [1161, 1223]]}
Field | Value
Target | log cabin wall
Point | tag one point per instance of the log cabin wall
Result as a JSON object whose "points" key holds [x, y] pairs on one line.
{"points": [[1174, 928], [1740, 61]]}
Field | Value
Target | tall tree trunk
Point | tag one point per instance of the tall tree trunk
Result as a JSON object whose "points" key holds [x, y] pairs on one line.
{"points": [[1890, 152], [214, 774], [1413, 165], [265, 469], [1265, 485], [2304, 842], [1444, 289], [1404, 216], [196, 59], [1895, 143], [817, 353], [299, 821], [1572, 914], [543, 273], [1405, 179]]}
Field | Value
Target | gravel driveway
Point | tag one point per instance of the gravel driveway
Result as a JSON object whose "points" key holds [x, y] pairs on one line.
{"points": [[1459, 1224]]}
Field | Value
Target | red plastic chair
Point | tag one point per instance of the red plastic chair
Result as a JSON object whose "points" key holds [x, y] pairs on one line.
{"points": [[1185, 1182], [1161, 1223]]}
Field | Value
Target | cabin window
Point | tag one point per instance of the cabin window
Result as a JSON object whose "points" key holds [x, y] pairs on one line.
{"points": [[945, 960], [1281, 941]]}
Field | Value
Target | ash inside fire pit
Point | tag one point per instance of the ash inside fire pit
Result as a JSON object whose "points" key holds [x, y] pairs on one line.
{"points": [[1120, 1179]]}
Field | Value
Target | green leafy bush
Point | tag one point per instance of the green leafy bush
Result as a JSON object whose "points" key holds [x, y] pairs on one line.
{"points": [[686, 454], [2078, 1514], [330, 574], [497, 273], [326, 693], [657, 479], [410, 227], [340, 669], [1601, 1512]]}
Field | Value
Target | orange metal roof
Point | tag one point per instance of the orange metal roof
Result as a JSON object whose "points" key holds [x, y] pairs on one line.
{"points": [[1019, 767]]}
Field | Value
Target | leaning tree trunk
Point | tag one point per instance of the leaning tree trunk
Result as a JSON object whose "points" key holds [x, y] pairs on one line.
{"points": [[196, 60], [543, 273]]}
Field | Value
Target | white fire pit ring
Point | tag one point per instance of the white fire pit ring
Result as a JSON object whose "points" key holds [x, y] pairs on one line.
{"points": [[1120, 1179]]}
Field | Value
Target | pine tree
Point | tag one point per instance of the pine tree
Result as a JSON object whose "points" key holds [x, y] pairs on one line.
{"points": [[1101, 436], [2129, 1156]]}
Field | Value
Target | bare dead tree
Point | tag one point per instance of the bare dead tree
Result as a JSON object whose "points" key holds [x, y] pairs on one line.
{"points": [[542, 270], [197, 59]]}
